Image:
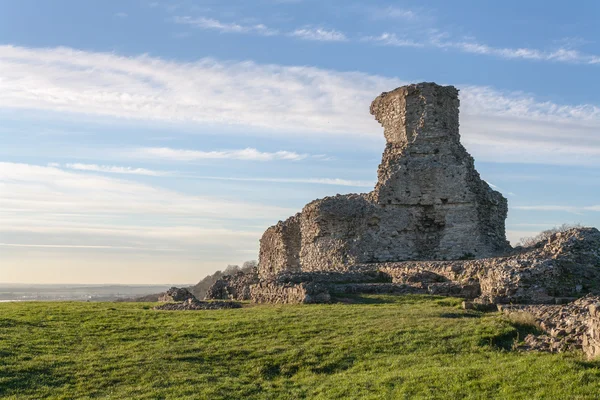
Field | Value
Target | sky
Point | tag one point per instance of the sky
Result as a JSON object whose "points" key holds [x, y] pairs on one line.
{"points": [[154, 141]]}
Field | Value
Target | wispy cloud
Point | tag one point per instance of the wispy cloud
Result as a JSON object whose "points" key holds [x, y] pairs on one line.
{"points": [[248, 154], [75, 246], [391, 39], [495, 125], [225, 27], [121, 15], [319, 34], [112, 169], [48, 190], [68, 212], [392, 12], [563, 208], [499, 189], [441, 40], [318, 181]]}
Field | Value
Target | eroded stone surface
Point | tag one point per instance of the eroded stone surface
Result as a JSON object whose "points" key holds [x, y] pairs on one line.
{"points": [[429, 202]]}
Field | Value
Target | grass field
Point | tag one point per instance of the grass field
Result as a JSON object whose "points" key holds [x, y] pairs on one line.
{"points": [[381, 347]]}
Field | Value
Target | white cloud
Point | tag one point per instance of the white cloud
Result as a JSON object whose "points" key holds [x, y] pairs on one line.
{"points": [[223, 27], [113, 169], [319, 34], [318, 181], [248, 154], [496, 126], [436, 39], [121, 15]]}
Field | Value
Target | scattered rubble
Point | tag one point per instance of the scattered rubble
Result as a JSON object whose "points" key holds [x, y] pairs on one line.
{"points": [[176, 294], [193, 304], [574, 326], [182, 299]]}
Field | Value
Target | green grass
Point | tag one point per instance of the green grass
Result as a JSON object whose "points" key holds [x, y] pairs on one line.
{"points": [[384, 347]]}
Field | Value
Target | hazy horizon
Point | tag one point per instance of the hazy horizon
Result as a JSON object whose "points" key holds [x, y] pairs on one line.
{"points": [[151, 141]]}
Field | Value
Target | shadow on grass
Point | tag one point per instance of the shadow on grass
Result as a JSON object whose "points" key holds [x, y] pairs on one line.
{"points": [[392, 298], [13, 323], [459, 315], [14, 381], [591, 364], [507, 340], [359, 299]]}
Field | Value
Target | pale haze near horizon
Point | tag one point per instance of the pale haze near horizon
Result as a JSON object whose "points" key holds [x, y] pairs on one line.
{"points": [[154, 141]]}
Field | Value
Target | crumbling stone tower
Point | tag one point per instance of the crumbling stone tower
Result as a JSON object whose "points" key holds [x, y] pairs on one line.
{"points": [[429, 202]]}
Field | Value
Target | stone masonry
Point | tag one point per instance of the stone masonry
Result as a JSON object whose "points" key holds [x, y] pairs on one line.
{"points": [[429, 202]]}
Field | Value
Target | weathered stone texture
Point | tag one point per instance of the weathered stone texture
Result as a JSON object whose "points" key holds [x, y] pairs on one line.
{"points": [[429, 202], [280, 247]]}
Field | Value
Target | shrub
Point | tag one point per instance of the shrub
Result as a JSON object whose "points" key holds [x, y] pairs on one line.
{"points": [[545, 235]]}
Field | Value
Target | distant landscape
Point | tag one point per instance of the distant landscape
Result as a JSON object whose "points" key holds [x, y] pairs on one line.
{"points": [[28, 292]]}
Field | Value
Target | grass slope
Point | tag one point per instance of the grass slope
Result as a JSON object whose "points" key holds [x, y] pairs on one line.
{"points": [[384, 347]]}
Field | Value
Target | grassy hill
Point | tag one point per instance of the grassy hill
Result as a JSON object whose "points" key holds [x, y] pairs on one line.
{"points": [[381, 347]]}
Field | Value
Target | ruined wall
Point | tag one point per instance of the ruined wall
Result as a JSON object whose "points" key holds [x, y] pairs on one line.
{"points": [[429, 202], [591, 339], [280, 248], [277, 293]]}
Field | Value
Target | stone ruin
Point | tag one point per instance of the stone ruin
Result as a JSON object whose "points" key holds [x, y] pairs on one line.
{"points": [[431, 225], [429, 202]]}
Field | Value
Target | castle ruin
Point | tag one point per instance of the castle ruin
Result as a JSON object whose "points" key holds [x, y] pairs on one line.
{"points": [[429, 202]]}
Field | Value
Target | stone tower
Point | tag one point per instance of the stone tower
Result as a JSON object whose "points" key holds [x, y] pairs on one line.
{"points": [[429, 202]]}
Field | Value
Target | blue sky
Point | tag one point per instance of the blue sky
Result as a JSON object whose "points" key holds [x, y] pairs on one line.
{"points": [[154, 141]]}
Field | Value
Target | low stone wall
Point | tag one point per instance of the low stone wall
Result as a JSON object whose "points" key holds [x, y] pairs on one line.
{"points": [[591, 340], [277, 293], [573, 326]]}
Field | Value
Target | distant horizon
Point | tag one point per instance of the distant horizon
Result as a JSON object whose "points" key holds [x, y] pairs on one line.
{"points": [[16, 284], [156, 141]]}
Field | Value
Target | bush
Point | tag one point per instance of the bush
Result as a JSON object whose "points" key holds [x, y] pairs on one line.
{"points": [[545, 235]]}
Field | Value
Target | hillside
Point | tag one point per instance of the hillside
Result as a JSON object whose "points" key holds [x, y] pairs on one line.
{"points": [[376, 347]]}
